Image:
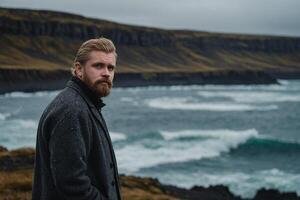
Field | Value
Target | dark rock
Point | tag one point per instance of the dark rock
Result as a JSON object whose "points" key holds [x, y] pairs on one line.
{"points": [[3, 149], [26, 23], [268, 45], [35, 80], [272, 194], [218, 192], [17, 159], [32, 80]]}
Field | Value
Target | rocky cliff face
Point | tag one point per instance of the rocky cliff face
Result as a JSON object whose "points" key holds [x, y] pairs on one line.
{"points": [[46, 41], [82, 31], [36, 80], [251, 44], [55, 24]]}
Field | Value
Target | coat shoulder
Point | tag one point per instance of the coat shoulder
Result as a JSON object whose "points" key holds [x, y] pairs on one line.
{"points": [[67, 103]]}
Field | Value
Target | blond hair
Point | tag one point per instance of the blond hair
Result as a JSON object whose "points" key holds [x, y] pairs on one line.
{"points": [[99, 44]]}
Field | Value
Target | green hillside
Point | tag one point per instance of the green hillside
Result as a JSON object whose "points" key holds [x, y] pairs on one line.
{"points": [[33, 39]]}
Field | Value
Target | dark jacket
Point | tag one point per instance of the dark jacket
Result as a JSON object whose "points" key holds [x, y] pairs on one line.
{"points": [[74, 154]]}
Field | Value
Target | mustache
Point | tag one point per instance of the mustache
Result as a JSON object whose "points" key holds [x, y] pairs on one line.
{"points": [[109, 82]]}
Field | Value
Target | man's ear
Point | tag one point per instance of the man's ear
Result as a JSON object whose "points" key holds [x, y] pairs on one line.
{"points": [[78, 69]]}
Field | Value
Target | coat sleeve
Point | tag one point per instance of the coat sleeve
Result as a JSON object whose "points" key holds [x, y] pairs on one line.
{"points": [[68, 159]]}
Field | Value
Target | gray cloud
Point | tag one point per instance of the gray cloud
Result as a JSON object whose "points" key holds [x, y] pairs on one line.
{"points": [[276, 17]]}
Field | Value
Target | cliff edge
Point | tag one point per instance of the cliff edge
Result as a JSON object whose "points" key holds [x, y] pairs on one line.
{"points": [[47, 41]]}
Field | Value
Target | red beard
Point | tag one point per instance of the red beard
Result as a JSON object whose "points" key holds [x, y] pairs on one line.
{"points": [[102, 87]]}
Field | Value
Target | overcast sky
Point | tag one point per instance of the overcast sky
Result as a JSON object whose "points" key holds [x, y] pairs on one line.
{"points": [[272, 17]]}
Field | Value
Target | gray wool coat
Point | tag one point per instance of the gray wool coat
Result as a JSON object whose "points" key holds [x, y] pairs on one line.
{"points": [[74, 154]]}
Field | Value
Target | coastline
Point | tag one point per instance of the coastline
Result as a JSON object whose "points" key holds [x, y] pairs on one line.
{"points": [[16, 168], [36, 80], [40, 45]]}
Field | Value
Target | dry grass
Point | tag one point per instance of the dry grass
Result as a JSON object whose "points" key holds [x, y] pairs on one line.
{"points": [[45, 52], [17, 185], [18, 152], [48, 53]]}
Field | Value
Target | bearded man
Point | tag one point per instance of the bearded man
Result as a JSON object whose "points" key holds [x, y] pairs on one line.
{"points": [[74, 154]]}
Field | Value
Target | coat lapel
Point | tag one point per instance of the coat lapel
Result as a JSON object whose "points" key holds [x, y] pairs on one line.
{"points": [[99, 117], [93, 109]]}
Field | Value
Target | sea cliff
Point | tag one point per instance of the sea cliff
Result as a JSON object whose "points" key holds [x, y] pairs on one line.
{"points": [[36, 80], [46, 41]]}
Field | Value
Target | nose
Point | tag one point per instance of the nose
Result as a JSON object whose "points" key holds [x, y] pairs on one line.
{"points": [[105, 72]]}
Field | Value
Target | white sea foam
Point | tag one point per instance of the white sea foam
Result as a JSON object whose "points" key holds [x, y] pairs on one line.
{"points": [[244, 184], [136, 156], [30, 95], [185, 104], [129, 100], [4, 116], [16, 133], [19, 126], [116, 136], [222, 134], [252, 97], [126, 99], [27, 123]]}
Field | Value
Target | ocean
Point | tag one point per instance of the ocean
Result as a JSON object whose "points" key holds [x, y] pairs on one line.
{"points": [[243, 136]]}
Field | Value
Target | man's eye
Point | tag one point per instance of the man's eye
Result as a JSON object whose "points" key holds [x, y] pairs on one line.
{"points": [[111, 68], [98, 65]]}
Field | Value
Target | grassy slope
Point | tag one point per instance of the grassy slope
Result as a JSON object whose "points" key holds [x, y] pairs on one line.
{"points": [[17, 183], [44, 52]]}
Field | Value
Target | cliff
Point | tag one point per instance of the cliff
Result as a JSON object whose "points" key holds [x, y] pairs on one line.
{"points": [[47, 40], [35, 80], [16, 183]]}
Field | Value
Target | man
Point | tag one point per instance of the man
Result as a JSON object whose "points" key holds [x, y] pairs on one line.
{"points": [[74, 154]]}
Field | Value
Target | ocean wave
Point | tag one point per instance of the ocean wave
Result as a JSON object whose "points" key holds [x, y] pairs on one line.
{"points": [[185, 104], [241, 183], [7, 115], [30, 94], [138, 155], [16, 133], [267, 146], [116, 136], [26, 123], [252, 96], [222, 134], [290, 85], [4, 116], [284, 85], [20, 125], [130, 100], [126, 99]]}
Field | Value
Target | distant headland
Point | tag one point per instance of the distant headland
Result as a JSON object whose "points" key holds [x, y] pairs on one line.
{"points": [[38, 47]]}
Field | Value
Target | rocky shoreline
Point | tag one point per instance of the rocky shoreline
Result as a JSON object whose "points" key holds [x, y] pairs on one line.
{"points": [[39, 47], [36, 80], [16, 172]]}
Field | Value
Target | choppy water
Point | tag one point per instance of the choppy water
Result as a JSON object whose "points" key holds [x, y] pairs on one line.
{"points": [[246, 137]]}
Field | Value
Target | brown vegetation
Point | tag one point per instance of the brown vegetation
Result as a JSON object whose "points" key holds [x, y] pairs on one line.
{"points": [[16, 172], [17, 185], [32, 39]]}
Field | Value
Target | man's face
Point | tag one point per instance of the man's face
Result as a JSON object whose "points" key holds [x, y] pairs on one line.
{"points": [[98, 72]]}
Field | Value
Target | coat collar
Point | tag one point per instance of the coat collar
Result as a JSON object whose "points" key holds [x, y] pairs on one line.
{"points": [[92, 99], [81, 89]]}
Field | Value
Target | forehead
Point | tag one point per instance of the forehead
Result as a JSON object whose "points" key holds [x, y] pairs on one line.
{"points": [[103, 57]]}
